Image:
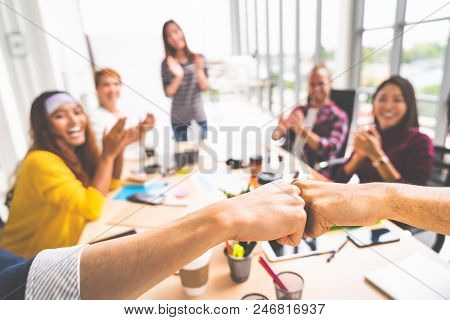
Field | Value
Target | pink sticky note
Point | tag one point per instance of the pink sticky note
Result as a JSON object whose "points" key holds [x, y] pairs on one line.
{"points": [[181, 193]]}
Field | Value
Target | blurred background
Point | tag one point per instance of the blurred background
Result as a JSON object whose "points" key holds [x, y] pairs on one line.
{"points": [[259, 53]]}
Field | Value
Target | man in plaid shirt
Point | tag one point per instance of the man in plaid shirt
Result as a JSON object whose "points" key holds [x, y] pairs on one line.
{"points": [[315, 131]]}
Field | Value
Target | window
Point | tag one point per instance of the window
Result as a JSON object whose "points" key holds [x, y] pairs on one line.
{"points": [[418, 10], [308, 36], [330, 32], [379, 13], [289, 33], [421, 60], [376, 53], [409, 37], [424, 47]]}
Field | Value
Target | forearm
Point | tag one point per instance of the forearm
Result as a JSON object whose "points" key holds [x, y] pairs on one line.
{"points": [[352, 165], [202, 80], [312, 139], [278, 133], [103, 174], [387, 171], [423, 207], [118, 166], [172, 88], [126, 268]]}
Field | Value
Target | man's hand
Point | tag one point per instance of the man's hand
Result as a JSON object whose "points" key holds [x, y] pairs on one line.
{"points": [[273, 211], [296, 120], [330, 204], [281, 129]]}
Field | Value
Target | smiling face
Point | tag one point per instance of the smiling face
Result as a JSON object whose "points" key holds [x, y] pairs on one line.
{"points": [[175, 37], [69, 124], [319, 87], [108, 90], [389, 106]]}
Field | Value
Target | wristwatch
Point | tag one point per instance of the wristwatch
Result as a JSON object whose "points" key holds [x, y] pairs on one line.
{"points": [[381, 160]]}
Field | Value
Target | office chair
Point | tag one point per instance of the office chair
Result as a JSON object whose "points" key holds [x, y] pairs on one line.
{"points": [[345, 99], [440, 174], [440, 177]]}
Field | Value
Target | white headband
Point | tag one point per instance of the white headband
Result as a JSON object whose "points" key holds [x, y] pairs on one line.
{"points": [[53, 102]]}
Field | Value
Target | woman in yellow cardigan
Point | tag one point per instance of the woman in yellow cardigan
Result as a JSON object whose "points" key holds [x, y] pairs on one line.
{"points": [[63, 180]]}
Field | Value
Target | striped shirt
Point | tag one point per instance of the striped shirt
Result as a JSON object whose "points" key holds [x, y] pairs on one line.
{"points": [[187, 103], [55, 275]]}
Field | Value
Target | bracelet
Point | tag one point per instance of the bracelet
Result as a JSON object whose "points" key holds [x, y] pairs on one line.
{"points": [[381, 160]]}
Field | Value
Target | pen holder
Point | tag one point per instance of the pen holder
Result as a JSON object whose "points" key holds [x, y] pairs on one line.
{"points": [[239, 268]]}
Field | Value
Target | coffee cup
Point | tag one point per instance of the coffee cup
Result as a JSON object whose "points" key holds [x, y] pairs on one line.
{"points": [[194, 276]]}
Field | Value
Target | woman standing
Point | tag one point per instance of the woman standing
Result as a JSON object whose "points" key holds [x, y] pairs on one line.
{"points": [[393, 150], [184, 77], [63, 180]]}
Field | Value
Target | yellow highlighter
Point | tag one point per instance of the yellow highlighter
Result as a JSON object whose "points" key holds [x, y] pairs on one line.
{"points": [[238, 251]]}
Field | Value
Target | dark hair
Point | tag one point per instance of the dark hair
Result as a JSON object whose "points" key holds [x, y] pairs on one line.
{"points": [[170, 51], [410, 119], [82, 160]]}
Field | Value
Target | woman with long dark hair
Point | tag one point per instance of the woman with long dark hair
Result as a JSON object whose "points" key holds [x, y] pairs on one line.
{"points": [[63, 180], [184, 77], [393, 149]]}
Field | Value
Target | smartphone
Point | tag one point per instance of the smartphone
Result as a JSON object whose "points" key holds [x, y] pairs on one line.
{"points": [[364, 237], [147, 198]]}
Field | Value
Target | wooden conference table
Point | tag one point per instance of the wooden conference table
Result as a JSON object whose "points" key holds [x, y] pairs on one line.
{"points": [[341, 278]]}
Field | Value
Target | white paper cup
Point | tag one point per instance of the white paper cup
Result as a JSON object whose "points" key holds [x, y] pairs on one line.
{"points": [[194, 276]]}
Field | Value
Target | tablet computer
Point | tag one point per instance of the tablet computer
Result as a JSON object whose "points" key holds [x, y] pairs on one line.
{"points": [[307, 247], [366, 237]]}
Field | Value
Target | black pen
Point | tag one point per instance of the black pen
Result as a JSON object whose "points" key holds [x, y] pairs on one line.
{"points": [[249, 248], [337, 250]]}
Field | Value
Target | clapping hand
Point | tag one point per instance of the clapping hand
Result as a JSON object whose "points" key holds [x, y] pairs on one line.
{"points": [[367, 143], [115, 140], [281, 129], [135, 133], [296, 120], [199, 62], [175, 67]]}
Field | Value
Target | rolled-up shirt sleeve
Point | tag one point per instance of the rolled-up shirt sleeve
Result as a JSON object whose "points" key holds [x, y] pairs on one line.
{"points": [[55, 275]]}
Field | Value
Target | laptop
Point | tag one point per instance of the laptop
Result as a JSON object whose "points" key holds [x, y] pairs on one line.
{"points": [[415, 277]]}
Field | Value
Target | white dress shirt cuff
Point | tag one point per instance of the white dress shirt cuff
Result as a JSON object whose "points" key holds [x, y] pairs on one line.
{"points": [[55, 275]]}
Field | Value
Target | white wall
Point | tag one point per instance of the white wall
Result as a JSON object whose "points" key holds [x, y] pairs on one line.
{"points": [[67, 48]]}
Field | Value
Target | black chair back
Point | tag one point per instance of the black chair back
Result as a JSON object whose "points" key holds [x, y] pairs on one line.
{"points": [[440, 175], [345, 99]]}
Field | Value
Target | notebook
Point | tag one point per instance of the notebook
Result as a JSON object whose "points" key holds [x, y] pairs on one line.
{"points": [[415, 277]]}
